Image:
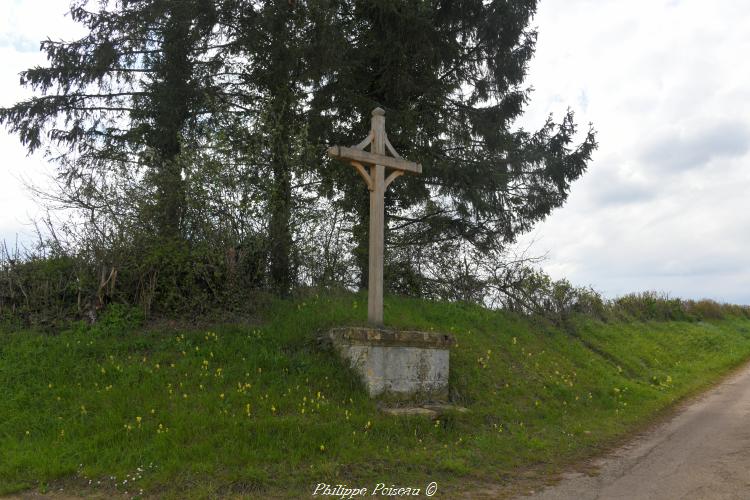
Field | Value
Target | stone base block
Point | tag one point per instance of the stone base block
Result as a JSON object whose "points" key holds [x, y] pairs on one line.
{"points": [[400, 365]]}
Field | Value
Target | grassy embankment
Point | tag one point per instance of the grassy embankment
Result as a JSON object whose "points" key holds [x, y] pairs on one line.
{"points": [[237, 410]]}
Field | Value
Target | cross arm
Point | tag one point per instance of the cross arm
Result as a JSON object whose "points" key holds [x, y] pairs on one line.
{"points": [[364, 157]]}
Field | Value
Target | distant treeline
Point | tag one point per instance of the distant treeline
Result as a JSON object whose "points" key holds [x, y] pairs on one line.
{"points": [[559, 301]]}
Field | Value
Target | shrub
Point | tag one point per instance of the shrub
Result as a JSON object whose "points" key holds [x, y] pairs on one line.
{"points": [[706, 309], [119, 319], [647, 306]]}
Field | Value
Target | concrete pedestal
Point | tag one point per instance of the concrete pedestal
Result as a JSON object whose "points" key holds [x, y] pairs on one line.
{"points": [[400, 365]]}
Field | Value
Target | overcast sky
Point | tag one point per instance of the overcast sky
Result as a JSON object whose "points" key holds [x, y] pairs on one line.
{"points": [[665, 204]]}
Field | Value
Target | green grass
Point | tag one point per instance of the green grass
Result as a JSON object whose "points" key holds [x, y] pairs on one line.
{"points": [[239, 410]]}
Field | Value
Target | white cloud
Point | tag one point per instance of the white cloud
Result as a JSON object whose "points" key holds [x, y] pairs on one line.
{"points": [[23, 26], [665, 203]]}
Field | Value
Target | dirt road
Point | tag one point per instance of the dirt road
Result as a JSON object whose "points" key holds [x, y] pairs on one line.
{"points": [[702, 452]]}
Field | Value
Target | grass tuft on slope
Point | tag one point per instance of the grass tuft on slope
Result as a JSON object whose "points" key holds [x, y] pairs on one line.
{"points": [[251, 410]]}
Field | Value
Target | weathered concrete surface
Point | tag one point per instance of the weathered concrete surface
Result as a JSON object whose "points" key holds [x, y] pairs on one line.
{"points": [[403, 365], [701, 453], [441, 409], [431, 410], [410, 412]]}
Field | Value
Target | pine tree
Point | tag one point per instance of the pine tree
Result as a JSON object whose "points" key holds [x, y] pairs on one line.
{"points": [[450, 76], [268, 38], [126, 95]]}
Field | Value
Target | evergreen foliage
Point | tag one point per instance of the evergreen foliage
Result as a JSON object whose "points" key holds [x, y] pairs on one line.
{"points": [[450, 76], [198, 129]]}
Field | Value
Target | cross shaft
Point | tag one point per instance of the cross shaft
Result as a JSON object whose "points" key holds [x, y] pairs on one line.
{"points": [[377, 161]]}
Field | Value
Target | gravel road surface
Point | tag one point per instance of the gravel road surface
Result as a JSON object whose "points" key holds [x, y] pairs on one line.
{"points": [[703, 452]]}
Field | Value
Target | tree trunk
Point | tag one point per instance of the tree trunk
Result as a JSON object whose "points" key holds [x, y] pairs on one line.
{"points": [[280, 200], [173, 96]]}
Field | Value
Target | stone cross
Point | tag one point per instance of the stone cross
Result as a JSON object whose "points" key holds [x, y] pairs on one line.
{"points": [[371, 166]]}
